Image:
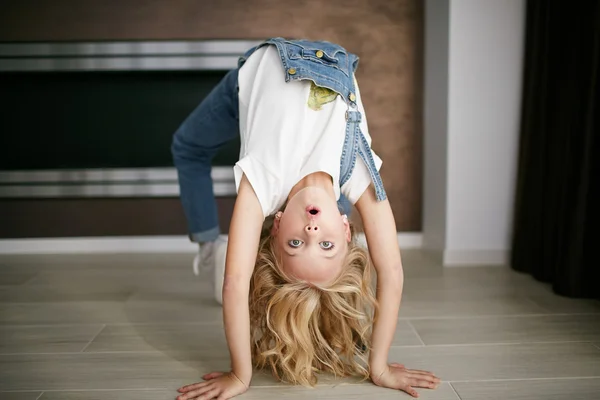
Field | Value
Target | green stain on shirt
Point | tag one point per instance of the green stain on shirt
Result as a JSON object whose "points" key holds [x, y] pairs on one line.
{"points": [[319, 96]]}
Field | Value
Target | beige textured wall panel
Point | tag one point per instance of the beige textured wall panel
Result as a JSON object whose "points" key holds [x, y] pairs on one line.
{"points": [[386, 34]]}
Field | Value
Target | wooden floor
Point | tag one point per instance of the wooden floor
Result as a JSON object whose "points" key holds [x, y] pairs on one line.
{"points": [[138, 327]]}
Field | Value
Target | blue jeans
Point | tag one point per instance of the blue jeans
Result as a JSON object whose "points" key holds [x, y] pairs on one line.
{"points": [[210, 126]]}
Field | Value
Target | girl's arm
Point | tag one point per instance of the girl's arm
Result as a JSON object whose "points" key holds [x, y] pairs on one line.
{"points": [[382, 239], [244, 237]]}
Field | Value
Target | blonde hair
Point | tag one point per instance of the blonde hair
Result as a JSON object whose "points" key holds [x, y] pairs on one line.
{"points": [[299, 329]]}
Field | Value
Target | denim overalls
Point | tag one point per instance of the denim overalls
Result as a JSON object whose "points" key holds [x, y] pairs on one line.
{"points": [[215, 122]]}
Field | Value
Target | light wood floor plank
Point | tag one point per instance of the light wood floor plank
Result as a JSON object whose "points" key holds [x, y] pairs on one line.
{"points": [[571, 389], [509, 329]]}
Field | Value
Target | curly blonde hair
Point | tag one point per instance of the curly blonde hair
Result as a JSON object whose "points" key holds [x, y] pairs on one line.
{"points": [[299, 329]]}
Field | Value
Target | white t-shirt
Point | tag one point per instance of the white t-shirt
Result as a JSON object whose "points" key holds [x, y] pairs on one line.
{"points": [[283, 139]]}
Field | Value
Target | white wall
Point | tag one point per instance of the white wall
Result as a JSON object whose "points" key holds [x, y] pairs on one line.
{"points": [[435, 142], [485, 61]]}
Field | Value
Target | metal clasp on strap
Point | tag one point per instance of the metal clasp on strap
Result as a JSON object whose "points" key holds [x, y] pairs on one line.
{"points": [[351, 108], [353, 116]]}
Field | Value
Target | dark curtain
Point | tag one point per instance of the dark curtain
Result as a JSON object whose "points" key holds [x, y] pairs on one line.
{"points": [[557, 208]]}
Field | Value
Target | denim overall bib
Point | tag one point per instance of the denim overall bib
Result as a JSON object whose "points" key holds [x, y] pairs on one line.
{"points": [[215, 121]]}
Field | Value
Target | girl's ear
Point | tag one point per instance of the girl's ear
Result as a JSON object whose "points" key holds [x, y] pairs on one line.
{"points": [[347, 229], [276, 220]]}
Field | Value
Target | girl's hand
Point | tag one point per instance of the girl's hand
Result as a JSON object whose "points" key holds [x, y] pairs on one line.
{"points": [[396, 376], [217, 385]]}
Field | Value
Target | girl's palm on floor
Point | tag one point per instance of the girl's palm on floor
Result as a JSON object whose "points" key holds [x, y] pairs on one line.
{"points": [[396, 376], [216, 385]]}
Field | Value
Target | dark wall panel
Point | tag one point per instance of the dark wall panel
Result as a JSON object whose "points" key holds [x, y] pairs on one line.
{"points": [[81, 120]]}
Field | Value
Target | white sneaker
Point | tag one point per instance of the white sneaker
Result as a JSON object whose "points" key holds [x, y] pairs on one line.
{"points": [[204, 260], [211, 259], [220, 253]]}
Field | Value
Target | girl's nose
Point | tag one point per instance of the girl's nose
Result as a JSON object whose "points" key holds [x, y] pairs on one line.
{"points": [[311, 228]]}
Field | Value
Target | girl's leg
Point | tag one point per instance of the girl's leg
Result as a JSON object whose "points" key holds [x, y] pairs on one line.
{"points": [[344, 205], [212, 124]]}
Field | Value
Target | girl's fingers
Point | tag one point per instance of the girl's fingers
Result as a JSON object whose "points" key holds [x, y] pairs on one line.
{"points": [[210, 394], [212, 375], [414, 371], [422, 383], [423, 375], [188, 388], [195, 394], [410, 391], [420, 371]]}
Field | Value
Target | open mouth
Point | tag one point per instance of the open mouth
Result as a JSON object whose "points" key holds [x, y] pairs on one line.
{"points": [[313, 210]]}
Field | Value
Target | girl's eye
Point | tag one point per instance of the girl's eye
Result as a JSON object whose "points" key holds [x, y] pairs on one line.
{"points": [[326, 245], [295, 243]]}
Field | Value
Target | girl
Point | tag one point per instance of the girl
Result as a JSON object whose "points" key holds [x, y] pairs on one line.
{"points": [[301, 303]]}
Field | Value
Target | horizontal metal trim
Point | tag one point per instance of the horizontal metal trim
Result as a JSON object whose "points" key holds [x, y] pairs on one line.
{"points": [[219, 173], [216, 63], [106, 190], [140, 182], [123, 56], [127, 48]]}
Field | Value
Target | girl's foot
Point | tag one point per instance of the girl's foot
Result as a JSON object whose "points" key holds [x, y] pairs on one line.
{"points": [[220, 252], [205, 259]]}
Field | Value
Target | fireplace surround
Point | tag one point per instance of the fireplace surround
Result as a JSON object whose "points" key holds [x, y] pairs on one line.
{"points": [[95, 119]]}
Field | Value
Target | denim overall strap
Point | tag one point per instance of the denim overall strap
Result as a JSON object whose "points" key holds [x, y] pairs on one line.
{"points": [[356, 142]]}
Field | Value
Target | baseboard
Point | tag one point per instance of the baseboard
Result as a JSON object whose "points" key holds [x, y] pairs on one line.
{"points": [[133, 244], [452, 258], [412, 240], [87, 245]]}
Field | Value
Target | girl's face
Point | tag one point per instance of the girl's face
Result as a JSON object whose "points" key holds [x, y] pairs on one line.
{"points": [[311, 236]]}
